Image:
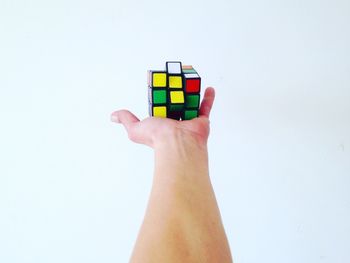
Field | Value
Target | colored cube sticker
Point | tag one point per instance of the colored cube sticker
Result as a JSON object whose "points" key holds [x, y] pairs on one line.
{"points": [[190, 114], [176, 108], [177, 97], [188, 69], [192, 83], [175, 82], [159, 96], [175, 115], [159, 79], [159, 111], [192, 101], [175, 92], [174, 67]]}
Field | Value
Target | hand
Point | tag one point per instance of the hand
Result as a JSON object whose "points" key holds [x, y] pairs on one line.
{"points": [[152, 130]]}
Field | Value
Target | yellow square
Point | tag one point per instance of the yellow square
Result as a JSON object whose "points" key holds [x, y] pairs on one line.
{"points": [[159, 80], [177, 97], [175, 82], [159, 111]]}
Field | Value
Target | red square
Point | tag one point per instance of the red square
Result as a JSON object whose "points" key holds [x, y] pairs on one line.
{"points": [[193, 85]]}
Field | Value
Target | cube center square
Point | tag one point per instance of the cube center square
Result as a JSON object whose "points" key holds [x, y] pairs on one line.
{"points": [[175, 82], [159, 80], [177, 97]]}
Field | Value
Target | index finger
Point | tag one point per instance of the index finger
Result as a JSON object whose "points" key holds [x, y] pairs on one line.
{"points": [[207, 102]]}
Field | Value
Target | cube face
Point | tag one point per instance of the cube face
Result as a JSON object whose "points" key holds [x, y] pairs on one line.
{"points": [[174, 67], [159, 96], [177, 97], [175, 82], [159, 111], [159, 79], [192, 101], [190, 114]]}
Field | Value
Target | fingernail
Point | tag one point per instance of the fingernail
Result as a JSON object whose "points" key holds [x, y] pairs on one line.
{"points": [[115, 118]]}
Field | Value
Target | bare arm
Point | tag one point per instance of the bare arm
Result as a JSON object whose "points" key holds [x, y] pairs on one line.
{"points": [[182, 221]]}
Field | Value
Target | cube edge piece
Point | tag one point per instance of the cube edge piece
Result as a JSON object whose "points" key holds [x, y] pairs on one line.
{"points": [[158, 90], [173, 62]]}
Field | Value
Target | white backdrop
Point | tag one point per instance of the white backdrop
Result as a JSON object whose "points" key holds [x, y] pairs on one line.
{"points": [[74, 189]]}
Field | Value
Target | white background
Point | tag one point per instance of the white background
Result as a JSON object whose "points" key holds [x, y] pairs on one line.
{"points": [[74, 189]]}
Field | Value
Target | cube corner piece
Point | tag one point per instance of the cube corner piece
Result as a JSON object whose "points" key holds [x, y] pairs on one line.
{"points": [[190, 114], [159, 111], [157, 79], [192, 83]]}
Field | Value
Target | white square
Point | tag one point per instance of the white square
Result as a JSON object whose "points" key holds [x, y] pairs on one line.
{"points": [[191, 76], [174, 67]]}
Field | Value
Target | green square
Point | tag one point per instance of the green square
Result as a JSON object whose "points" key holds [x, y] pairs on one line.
{"points": [[159, 96], [188, 71], [176, 107], [190, 114], [192, 101]]}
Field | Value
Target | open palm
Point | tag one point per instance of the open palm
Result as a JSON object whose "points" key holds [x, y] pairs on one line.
{"points": [[151, 129]]}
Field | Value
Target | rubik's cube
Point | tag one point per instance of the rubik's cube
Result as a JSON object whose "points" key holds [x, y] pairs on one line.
{"points": [[175, 92]]}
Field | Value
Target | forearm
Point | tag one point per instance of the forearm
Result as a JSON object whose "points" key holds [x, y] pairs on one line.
{"points": [[182, 221]]}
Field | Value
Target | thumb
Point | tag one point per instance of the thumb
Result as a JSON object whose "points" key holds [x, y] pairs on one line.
{"points": [[128, 120]]}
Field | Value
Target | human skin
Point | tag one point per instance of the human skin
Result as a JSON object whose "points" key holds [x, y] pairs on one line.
{"points": [[182, 222]]}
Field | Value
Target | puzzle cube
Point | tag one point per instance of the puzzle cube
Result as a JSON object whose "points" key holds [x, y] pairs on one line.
{"points": [[174, 93]]}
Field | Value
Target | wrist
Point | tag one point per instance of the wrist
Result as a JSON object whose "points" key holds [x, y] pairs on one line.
{"points": [[177, 139]]}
